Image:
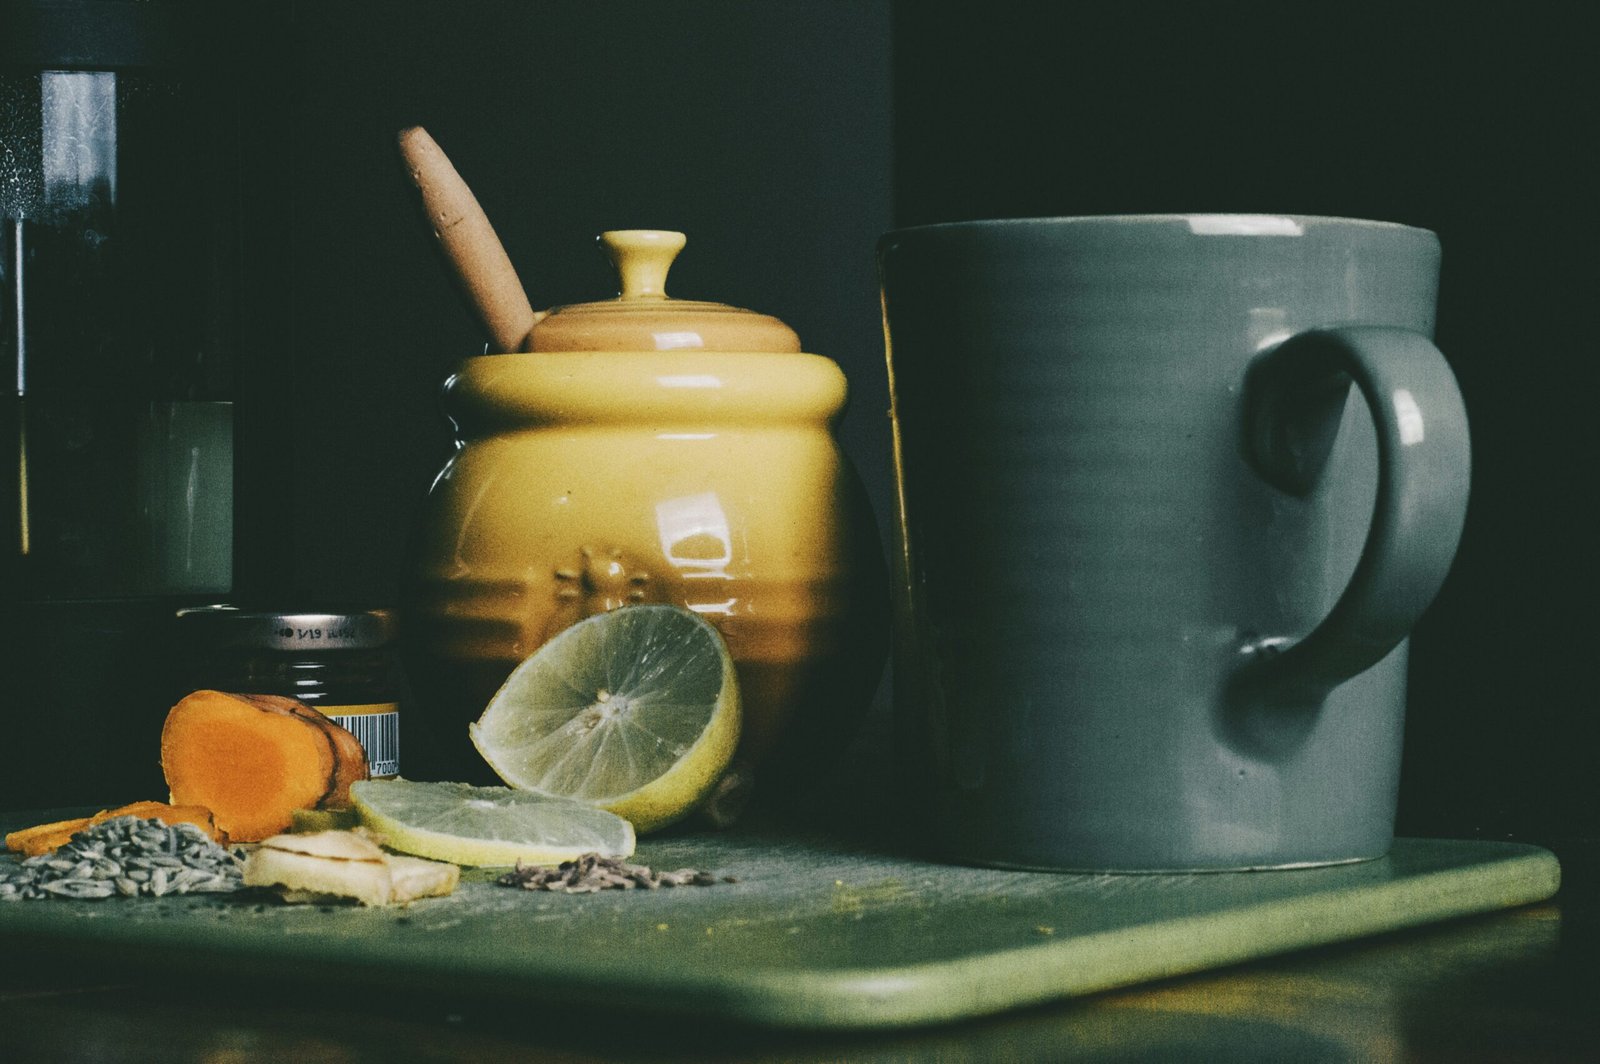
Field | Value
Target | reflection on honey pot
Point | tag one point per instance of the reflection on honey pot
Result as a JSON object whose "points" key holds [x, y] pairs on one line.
{"points": [[694, 536]]}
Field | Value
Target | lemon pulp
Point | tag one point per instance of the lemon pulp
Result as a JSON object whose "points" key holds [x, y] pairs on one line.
{"points": [[635, 711], [468, 825]]}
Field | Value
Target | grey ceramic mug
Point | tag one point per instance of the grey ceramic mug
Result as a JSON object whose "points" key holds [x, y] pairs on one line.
{"points": [[1173, 490]]}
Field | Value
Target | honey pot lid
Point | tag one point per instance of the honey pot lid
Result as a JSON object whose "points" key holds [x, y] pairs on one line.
{"points": [[644, 318]]}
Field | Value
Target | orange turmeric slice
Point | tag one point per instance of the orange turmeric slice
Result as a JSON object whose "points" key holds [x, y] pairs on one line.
{"points": [[198, 815], [44, 838], [350, 760], [254, 759], [47, 838]]}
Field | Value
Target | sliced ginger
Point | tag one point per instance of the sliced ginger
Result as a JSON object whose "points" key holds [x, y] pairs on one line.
{"points": [[336, 865], [254, 759]]}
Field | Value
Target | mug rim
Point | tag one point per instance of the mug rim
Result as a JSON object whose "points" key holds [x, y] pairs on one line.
{"points": [[1203, 223]]}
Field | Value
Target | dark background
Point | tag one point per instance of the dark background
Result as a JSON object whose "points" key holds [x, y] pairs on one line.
{"points": [[785, 135]]}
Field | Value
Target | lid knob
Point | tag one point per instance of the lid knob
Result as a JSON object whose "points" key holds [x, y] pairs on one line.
{"points": [[642, 258], [642, 318]]}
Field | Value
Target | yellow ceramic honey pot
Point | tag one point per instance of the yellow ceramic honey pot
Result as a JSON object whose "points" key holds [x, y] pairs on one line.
{"points": [[648, 449]]}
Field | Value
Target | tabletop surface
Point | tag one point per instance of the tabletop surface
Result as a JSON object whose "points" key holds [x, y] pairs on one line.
{"points": [[1517, 984], [795, 930]]}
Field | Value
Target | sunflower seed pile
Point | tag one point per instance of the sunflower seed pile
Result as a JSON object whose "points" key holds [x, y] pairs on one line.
{"points": [[592, 872], [127, 856]]}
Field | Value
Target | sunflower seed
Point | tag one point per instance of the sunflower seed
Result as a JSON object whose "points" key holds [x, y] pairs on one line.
{"points": [[79, 888], [125, 856]]}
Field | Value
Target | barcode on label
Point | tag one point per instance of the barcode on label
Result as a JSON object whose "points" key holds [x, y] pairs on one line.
{"points": [[379, 735]]}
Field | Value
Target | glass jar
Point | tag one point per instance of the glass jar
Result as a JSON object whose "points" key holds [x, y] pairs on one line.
{"points": [[340, 663], [119, 219]]}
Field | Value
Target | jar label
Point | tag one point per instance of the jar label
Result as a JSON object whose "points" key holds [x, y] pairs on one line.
{"points": [[377, 726]]}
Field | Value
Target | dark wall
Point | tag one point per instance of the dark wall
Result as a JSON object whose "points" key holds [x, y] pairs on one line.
{"points": [[760, 130], [1477, 125]]}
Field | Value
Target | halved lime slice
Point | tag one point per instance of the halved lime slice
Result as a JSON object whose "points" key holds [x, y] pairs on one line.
{"points": [[469, 825], [635, 711]]}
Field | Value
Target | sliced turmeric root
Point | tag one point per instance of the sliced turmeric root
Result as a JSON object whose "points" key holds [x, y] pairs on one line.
{"points": [[254, 759], [198, 815], [43, 838], [47, 838], [350, 760]]}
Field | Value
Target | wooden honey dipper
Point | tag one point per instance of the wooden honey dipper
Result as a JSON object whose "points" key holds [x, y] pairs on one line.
{"points": [[471, 249]]}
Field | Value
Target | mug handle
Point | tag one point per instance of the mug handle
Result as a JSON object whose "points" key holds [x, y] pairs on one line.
{"points": [[1292, 396]]}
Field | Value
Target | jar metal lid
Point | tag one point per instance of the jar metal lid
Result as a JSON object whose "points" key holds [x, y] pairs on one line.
{"points": [[225, 626]]}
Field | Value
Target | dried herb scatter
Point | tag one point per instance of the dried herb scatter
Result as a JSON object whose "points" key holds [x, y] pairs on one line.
{"points": [[593, 872]]}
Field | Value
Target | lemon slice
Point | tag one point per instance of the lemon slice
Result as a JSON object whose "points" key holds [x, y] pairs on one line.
{"points": [[635, 711], [469, 825]]}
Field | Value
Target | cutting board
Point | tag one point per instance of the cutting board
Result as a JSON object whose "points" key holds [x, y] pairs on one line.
{"points": [[813, 933]]}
